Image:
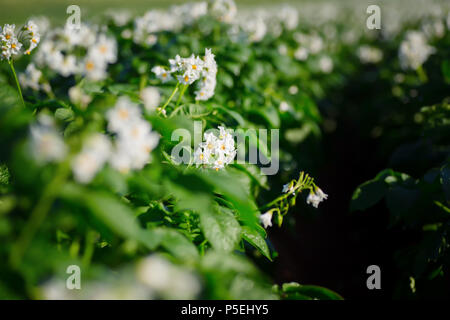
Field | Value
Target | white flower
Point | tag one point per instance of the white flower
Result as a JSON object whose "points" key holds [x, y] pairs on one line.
{"points": [[135, 140], [47, 144], [326, 64], [31, 34], [301, 54], [151, 98], [67, 66], [122, 115], [368, 54], [189, 70], [104, 49], [94, 69], [162, 74], [288, 187], [167, 279], [284, 106], [266, 219], [31, 77], [255, 27], [293, 89], [78, 97], [414, 50], [224, 10], [289, 17], [93, 156], [216, 151], [208, 77], [315, 198]]}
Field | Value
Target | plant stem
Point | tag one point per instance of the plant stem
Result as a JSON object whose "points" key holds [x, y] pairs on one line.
{"points": [[38, 214], [171, 97], [422, 74], [183, 90], [11, 64]]}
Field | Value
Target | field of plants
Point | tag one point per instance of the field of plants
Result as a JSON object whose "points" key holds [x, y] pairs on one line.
{"points": [[210, 150]]}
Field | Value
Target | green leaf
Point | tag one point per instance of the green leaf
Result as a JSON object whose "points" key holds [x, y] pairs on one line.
{"points": [[221, 229], [64, 114], [176, 243], [368, 194], [110, 211], [255, 239], [312, 292]]}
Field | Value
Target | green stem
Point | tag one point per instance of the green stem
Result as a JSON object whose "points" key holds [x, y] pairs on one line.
{"points": [[170, 98], [11, 64], [143, 82], [422, 74], [183, 90], [89, 248], [38, 214]]}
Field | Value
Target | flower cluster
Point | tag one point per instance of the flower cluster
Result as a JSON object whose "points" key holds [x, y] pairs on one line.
{"points": [[216, 151], [84, 51], [414, 50], [147, 27], [189, 70], [32, 78], [316, 197], [132, 147], [135, 139], [281, 205], [26, 40]]}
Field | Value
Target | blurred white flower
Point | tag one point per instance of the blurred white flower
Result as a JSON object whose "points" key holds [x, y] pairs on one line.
{"points": [[326, 64], [104, 49], [301, 54], [135, 140], [31, 78], [151, 98], [368, 54], [78, 97], [47, 145], [284, 106], [96, 151], [224, 10], [167, 279], [414, 50]]}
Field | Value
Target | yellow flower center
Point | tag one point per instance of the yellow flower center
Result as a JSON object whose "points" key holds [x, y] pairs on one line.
{"points": [[201, 157], [90, 66], [186, 79], [8, 36], [123, 114], [103, 49], [13, 46], [34, 40], [194, 67]]}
